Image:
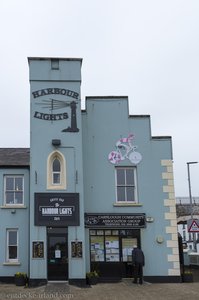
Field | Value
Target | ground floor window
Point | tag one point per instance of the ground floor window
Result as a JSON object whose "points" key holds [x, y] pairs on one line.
{"points": [[12, 245], [112, 245]]}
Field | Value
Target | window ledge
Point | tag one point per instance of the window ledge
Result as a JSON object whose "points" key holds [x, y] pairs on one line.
{"points": [[13, 206], [11, 264], [127, 204], [56, 187]]}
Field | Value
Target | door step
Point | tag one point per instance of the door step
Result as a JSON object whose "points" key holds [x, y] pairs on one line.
{"points": [[57, 281]]}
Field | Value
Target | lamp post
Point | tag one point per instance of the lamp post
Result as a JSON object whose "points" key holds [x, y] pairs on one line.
{"points": [[190, 199]]}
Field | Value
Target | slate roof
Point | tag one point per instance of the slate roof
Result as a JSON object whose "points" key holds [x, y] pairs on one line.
{"points": [[14, 157]]}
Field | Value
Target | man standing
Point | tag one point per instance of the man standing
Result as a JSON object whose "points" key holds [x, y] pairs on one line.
{"points": [[138, 262]]}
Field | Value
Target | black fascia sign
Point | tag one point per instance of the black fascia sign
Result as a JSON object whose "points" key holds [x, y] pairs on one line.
{"points": [[57, 209]]}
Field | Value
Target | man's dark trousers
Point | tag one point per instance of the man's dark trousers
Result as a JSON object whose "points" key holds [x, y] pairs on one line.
{"points": [[138, 273]]}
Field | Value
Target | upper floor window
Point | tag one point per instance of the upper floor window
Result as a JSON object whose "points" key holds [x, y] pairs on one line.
{"points": [[14, 190], [56, 171], [126, 184], [12, 245]]}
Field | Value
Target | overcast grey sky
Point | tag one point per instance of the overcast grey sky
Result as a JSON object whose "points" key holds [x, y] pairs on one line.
{"points": [[145, 49]]}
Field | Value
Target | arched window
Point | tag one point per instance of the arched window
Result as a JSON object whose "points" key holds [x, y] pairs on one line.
{"points": [[56, 171]]}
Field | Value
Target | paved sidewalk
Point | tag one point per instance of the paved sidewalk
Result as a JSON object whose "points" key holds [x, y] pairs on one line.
{"points": [[124, 290]]}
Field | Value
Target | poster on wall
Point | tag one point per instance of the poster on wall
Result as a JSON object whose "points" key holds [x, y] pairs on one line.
{"points": [[38, 249], [127, 248], [57, 253], [97, 248], [76, 249], [112, 248]]}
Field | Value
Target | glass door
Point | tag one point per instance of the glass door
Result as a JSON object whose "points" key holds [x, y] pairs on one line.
{"points": [[57, 254], [127, 248]]}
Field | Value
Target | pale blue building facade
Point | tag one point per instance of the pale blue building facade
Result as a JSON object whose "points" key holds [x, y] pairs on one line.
{"points": [[96, 184]]}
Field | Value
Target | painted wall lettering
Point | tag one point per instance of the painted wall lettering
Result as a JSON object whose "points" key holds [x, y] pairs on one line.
{"points": [[50, 117], [56, 104], [55, 91]]}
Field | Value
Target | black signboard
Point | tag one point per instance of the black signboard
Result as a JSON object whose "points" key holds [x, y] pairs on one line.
{"points": [[38, 249], [76, 249], [56, 209], [115, 220]]}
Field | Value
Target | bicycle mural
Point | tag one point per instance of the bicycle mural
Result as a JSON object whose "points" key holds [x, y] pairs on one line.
{"points": [[125, 150]]}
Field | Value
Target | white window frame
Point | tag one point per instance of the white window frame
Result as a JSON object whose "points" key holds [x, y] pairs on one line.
{"points": [[14, 191], [10, 260], [125, 185], [56, 172], [63, 183]]}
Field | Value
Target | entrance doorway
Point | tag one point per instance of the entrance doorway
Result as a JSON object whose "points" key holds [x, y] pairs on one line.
{"points": [[57, 253]]}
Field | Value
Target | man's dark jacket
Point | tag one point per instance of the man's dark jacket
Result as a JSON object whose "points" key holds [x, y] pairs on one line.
{"points": [[138, 257]]}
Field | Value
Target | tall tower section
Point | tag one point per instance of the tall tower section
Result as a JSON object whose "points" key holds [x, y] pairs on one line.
{"points": [[56, 175]]}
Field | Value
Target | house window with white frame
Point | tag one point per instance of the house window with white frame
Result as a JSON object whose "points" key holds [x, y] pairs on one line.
{"points": [[13, 190], [12, 245], [126, 184]]}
